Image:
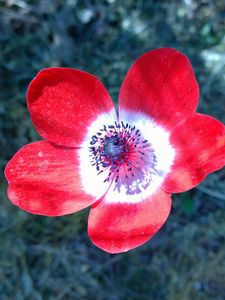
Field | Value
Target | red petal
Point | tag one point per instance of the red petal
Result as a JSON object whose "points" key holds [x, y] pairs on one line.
{"points": [[63, 102], [119, 227], [44, 179], [199, 142], [161, 83]]}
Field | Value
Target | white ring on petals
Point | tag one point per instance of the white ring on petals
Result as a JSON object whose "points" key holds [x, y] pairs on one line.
{"points": [[147, 179]]}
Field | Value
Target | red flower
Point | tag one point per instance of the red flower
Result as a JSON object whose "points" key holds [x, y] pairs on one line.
{"points": [[124, 165]]}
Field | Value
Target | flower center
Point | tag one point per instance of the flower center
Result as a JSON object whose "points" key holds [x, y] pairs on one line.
{"points": [[119, 149]]}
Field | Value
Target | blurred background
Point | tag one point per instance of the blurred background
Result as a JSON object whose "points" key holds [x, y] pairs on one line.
{"points": [[52, 258]]}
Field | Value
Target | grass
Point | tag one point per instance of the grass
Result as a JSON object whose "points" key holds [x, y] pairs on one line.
{"points": [[52, 258]]}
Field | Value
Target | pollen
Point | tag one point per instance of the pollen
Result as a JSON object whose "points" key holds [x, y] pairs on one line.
{"points": [[119, 149]]}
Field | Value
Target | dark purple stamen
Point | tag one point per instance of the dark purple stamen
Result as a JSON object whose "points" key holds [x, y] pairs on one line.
{"points": [[119, 149]]}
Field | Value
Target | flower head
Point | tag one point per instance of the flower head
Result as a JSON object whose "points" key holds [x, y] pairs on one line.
{"points": [[124, 164]]}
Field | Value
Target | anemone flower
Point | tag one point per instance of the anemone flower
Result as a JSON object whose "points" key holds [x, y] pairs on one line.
{"points": [[124, 163]]}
